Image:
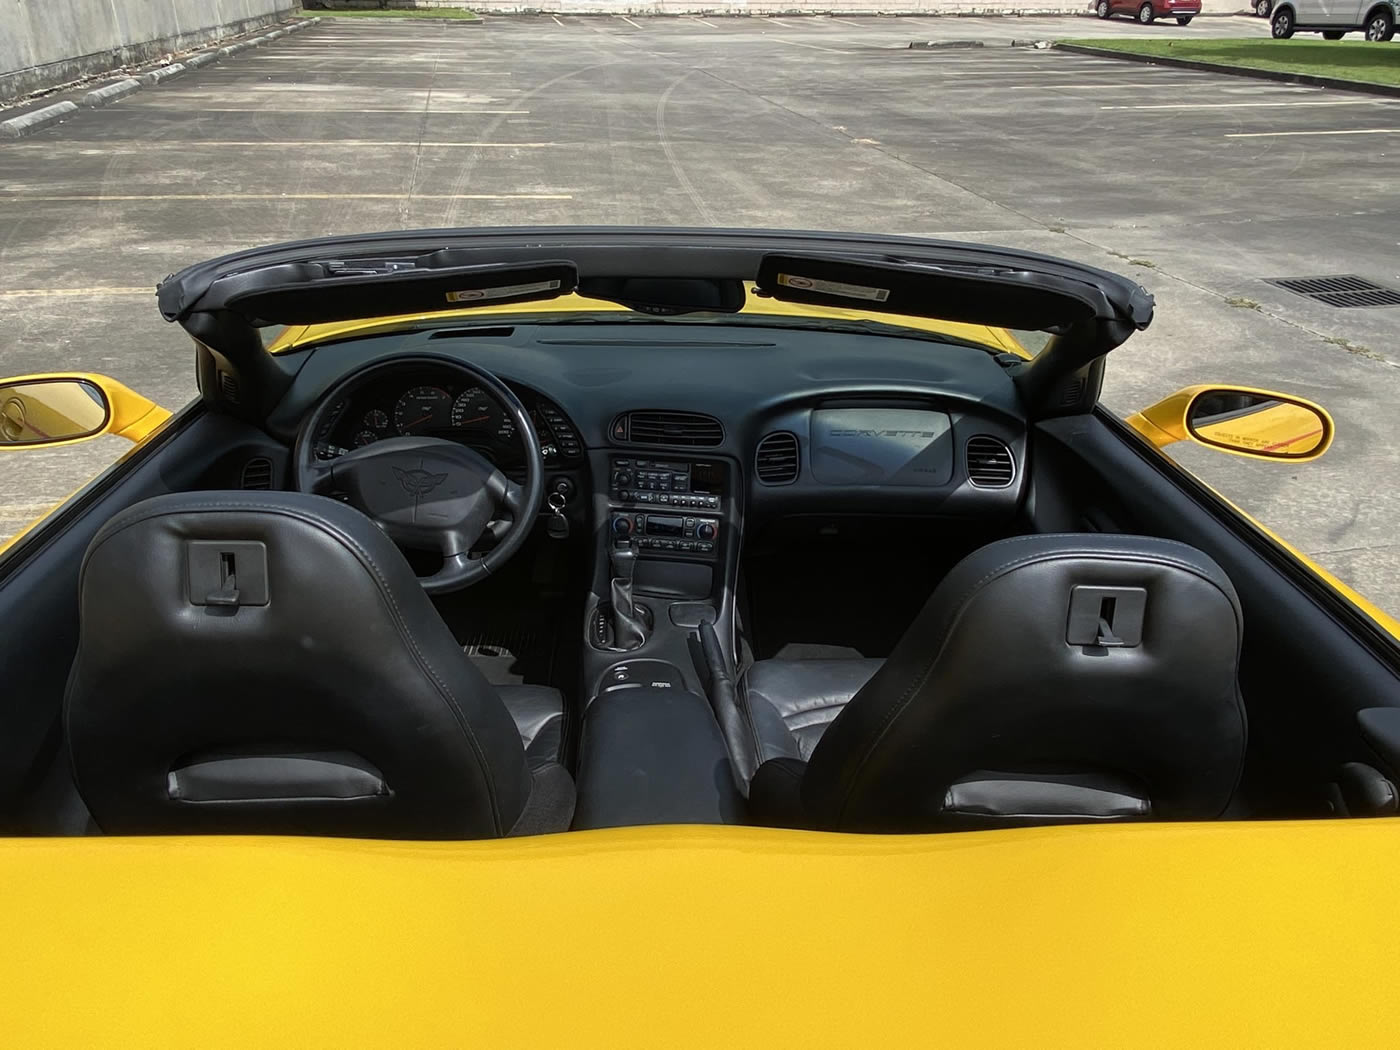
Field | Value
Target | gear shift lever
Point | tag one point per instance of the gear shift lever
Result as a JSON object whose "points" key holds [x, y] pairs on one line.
{"points": [[630, 622]]}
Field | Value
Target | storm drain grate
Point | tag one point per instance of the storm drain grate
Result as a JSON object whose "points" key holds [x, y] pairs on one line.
{"points": [[1343, 290]]}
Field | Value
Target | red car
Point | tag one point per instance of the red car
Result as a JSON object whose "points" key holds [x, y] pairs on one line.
{"points": [[1147, 11]]}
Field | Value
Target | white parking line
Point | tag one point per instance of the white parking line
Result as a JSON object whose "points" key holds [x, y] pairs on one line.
{"points": [[1287, 134], [789, 25], [113, 146], [980, 72], [629, 21], [1055, 87], [693, 18], [848, 22], [1250, 105], [813, 47], [258, 111], [24, 199], [83, 293], [556, 20]]}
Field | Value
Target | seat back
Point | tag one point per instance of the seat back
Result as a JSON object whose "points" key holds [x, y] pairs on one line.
{"points": [[1049, 678], [268, 663]]}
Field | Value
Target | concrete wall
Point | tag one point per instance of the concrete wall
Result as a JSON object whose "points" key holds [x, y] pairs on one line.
{"points": [[48, 42]]}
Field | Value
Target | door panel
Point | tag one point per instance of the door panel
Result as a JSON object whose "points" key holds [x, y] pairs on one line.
{"points": [[1310, 660]]}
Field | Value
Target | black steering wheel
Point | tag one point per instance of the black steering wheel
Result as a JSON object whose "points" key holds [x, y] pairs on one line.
{"points": [[429, 493]]}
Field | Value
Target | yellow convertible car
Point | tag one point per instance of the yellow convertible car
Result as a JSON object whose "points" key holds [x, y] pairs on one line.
{"points": [[624, 637]]}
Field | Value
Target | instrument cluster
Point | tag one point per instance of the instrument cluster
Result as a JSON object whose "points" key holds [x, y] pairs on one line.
{"points": [[444, 404]]}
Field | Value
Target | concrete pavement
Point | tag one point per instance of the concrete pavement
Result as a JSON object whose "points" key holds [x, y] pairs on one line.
{"points": [[1200, 185]]}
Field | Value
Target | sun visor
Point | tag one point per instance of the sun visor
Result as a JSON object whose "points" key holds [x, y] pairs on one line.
{"points": [[998, 296], [327, 291]]}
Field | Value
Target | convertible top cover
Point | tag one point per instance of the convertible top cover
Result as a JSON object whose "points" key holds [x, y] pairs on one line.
{"points": [[222, 303]]}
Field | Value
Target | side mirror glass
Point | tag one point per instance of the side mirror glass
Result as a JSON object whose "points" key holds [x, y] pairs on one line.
{"points": [[1256, 423], [51, 411]]}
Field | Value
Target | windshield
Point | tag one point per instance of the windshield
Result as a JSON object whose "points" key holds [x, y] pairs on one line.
{"points": [[757, 311]]}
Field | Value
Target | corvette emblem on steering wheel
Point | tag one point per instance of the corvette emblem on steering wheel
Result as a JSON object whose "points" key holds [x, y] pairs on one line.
{"points": [[418, 483]]}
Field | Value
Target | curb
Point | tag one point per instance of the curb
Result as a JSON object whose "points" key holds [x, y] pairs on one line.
{"points": [[101, 96], [39, 118], [1389, 90], [932, 44], [35, 120], [155, 76], [465, 23]]}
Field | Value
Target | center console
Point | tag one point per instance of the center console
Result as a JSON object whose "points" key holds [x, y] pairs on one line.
{"points": [[664, 572], [665, 561], [667, 505]]}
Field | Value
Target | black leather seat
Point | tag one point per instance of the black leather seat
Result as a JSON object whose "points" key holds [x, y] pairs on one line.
{"points": [[1049, 679], [269, 663], [792, 702]]}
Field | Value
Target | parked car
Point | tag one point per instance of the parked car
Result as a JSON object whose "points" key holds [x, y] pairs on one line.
{"points": [[1148, 11], [707, 575], [1334, 19]]}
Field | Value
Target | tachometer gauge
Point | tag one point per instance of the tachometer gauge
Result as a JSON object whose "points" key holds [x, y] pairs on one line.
{"points": [[423, 409], [377, 419], [365, 437]]}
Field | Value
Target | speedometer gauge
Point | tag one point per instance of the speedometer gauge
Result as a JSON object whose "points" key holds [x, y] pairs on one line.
{"points": [[423, 409]]}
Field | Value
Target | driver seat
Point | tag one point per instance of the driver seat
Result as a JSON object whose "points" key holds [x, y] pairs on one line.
{"points": [[269, 664]]}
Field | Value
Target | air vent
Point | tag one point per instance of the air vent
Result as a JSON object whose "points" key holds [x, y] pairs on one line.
{"points": [[677, 429], [776, 459], [989, 463], [257, 473]]}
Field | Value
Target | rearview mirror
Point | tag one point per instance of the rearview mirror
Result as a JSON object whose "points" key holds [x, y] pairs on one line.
{"points": [[1240, 420], [47, 410]]}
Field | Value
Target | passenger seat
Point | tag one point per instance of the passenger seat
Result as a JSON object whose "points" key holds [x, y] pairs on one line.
{"points": [[1049, 679]]}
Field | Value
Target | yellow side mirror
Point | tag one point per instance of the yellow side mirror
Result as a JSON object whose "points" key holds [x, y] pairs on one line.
{"points": [[40, 411], [1246, 422]]}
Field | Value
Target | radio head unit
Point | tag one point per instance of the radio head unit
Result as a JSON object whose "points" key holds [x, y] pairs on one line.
{"points": [[681, 484]]}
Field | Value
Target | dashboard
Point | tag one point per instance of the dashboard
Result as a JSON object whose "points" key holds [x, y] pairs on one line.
{"points": [[801, 421], [429, 400]]}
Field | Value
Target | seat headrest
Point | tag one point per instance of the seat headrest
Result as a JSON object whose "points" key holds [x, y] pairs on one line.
{"points": [[1048, 654]]}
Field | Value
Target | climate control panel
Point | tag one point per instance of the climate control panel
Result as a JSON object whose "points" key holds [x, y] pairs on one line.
{"points": [[666, 532]]}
